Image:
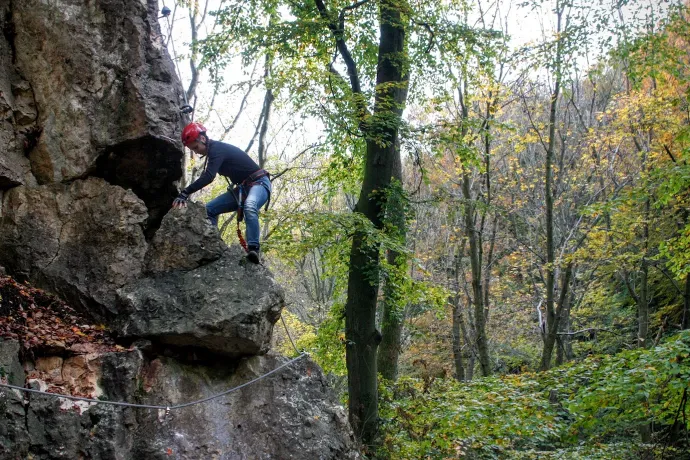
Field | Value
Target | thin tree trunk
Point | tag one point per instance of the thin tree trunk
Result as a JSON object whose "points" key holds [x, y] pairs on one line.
{"points": [[476, 267], [474, 236], [489, 261], [643, 297], [551, 317], [457, 340], [564, 346], [469, 372], [459, 328], [686, 303], [265, 114]]}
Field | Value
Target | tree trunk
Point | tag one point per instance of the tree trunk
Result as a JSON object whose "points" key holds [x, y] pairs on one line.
{"points": [[643, 308], [469, 372], [553, 325], [362, 338], [457, 341], [563, 353], [686, 303], [643, 297], [476, 267], [560, 342], [459, 329], [393, 309], [266, 112], [551, 317]]}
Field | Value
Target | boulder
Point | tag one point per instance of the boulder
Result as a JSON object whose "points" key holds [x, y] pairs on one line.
{"points": [[228, 306], [82, 240], [185, 240]]}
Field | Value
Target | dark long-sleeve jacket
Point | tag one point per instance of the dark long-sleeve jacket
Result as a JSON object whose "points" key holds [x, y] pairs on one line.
{"points": [[226, 160]]}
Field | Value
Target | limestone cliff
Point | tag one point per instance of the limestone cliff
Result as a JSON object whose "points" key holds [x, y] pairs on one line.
{"points": [[90, 161]]}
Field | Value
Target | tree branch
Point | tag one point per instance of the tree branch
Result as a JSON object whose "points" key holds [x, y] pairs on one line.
{"points": [[338, 35], [591, 329], [277, 175]]}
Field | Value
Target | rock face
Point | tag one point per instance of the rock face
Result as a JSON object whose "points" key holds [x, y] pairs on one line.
{"points": [[18, 113], [89, 89], [82, 240], [290, 414]]}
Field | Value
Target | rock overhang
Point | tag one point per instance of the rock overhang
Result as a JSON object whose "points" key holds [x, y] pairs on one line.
{"points": [[151, 167], [227, 306]]}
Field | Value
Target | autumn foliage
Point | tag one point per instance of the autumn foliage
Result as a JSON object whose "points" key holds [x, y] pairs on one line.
{"points": [[42, 322]]}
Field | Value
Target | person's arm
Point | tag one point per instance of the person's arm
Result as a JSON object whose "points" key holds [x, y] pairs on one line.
{"points": [[212, 166], [214, 162]]}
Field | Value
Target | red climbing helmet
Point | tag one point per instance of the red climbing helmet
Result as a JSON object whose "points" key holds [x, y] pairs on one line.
{"points": [[191, 132]]}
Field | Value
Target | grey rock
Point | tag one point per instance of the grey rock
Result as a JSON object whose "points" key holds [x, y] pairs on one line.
{"points": [[100, 75], [14, 437], [10, 367], [89, 90], [53, 433], [18, 114], [185, 240], [289, 415], [227, 307], [47, 427], [82, 241]]}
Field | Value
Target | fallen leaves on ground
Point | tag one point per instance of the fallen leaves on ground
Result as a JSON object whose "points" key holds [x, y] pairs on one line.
{"points": [[41, 321]]}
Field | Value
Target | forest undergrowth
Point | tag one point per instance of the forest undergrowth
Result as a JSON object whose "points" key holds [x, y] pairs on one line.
{"points": [[594, 409]]}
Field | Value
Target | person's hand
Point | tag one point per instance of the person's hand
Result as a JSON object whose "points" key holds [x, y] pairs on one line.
{"points": [[181, 200]]}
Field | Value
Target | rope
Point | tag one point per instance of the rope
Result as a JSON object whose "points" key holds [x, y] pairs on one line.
{"points": [[153, 406], [172, 43], [288, 334], [243, 243]]}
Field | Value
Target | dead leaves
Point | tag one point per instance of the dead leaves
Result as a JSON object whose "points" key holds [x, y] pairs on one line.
{"points": [[39, 320]]}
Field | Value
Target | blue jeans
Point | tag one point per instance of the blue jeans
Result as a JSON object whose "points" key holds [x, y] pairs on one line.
{"points": [[258, 195]]}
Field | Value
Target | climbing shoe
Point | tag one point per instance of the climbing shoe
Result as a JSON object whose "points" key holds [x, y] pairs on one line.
{"points": [[253, 256]]}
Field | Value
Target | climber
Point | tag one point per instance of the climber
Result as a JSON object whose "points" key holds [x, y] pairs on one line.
{"points": [[250, 189]]}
